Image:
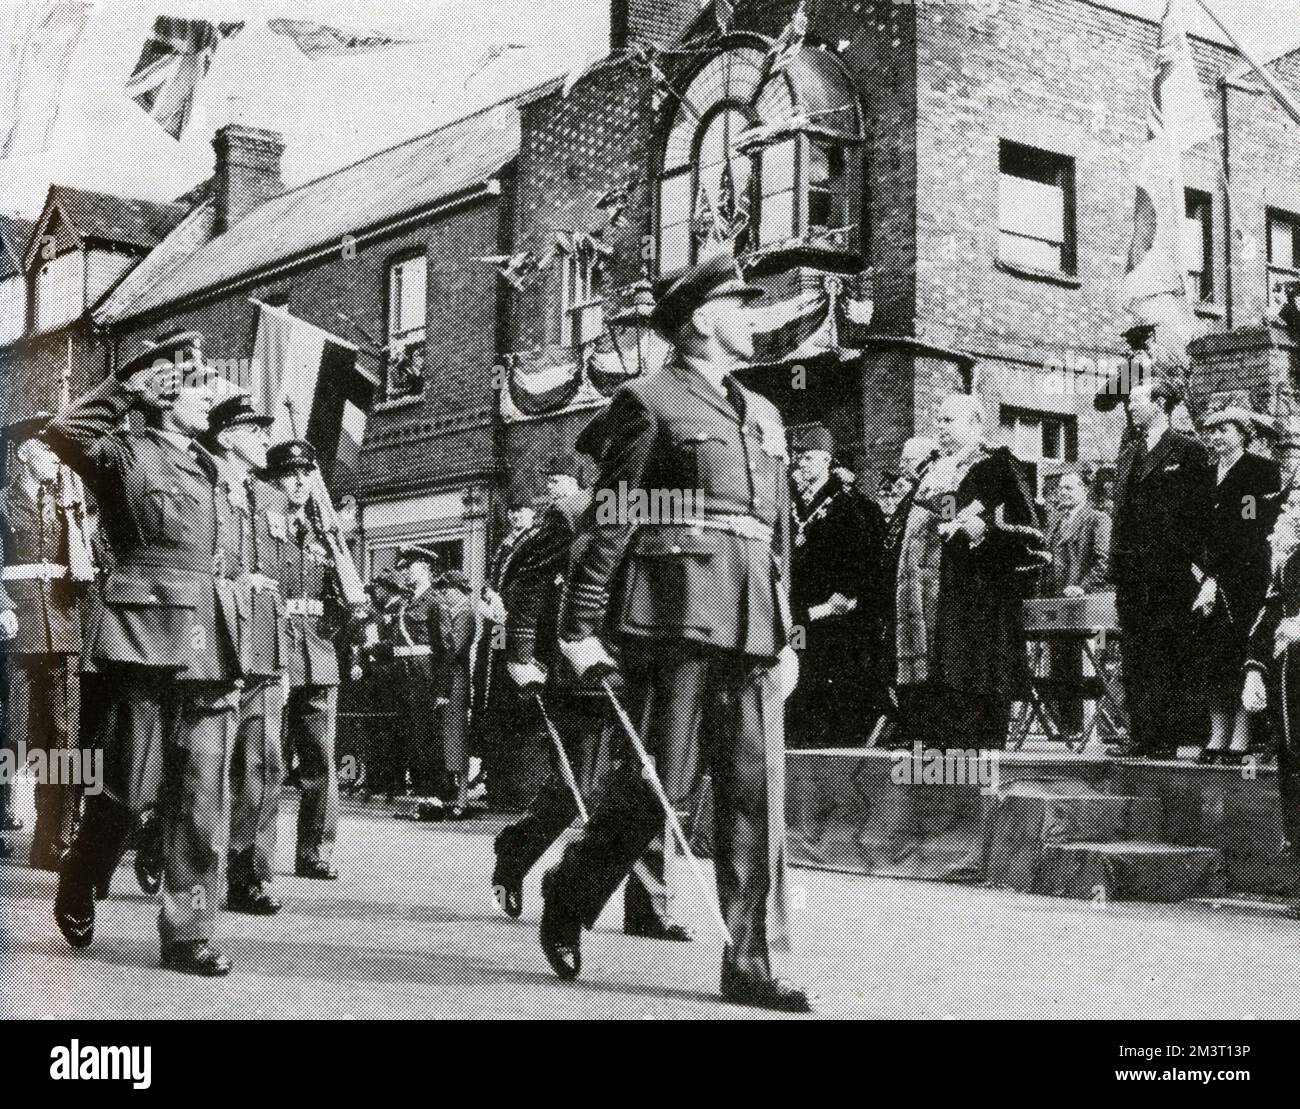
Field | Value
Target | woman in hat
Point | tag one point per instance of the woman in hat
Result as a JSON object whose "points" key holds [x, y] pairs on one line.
{"points": [[1245, 508]]}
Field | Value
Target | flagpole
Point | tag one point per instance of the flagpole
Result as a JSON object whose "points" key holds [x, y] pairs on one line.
{"points": [[1280, 94]]}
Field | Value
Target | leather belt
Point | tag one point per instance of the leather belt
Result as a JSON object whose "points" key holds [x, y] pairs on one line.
{"points": [[417, 651], [747, 527], [304, 606], [35, 571]]}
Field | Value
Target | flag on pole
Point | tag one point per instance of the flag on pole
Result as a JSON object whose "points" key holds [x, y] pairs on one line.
{"points": [[175, 58], [782, 51], [319, 40], [46, 33], [310, 383], [1178, 118]]}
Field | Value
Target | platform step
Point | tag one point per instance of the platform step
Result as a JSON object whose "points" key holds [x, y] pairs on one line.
{"points": [[1029, 815], [1131, 870]]}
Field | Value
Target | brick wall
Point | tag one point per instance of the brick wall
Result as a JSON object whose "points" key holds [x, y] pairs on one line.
{"points": [[446, 434]]}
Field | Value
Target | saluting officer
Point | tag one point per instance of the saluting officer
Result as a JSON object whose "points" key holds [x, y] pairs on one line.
{"points": [[238, 438], [306, 577], [700, 610], [42, 662], [166, 642]]}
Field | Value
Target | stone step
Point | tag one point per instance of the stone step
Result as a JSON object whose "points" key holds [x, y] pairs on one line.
{"points": [[1026, 816], [1131, 870]]}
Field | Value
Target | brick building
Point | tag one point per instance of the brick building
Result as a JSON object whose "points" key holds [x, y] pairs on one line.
{"points": [[53, 272], [981, 157], [938, 196], [382, 255]]}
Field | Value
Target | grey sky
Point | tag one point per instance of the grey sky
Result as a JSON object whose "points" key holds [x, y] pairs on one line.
{"points": [[335, 110]]}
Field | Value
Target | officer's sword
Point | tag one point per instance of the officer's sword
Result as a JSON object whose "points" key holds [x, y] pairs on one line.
{"points": [[652, 885], [674, 825]]}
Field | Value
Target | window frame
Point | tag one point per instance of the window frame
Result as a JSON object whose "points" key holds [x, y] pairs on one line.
{"points": [[1011, 416], [1280, 276], [412, 340], [1066, 169], [39, 325], [850, 142], [1199, 198]]}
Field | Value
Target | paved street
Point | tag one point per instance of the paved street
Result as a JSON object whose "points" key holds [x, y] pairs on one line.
{"points": [[410, 931]]}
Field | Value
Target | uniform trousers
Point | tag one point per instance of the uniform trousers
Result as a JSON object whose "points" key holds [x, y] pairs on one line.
{"points": [[584, 726], [695, 707], [256, 773], [166, 743], [43, 708], [310, 725]]}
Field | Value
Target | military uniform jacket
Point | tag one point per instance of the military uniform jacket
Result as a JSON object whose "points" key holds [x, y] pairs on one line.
{"points": [[718, 583], [1163, 509], [261, 599], [33, 531], [171, 600], [306, 577], [532, 599]]}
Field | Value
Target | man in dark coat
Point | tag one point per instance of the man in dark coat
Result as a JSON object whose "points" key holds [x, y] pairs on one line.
{"points": [[42, 662], [308, 581], [580, 713], [167, 641], [834, 583], [700, 611], [1079, 542], [238, 438], [1164, 487]]}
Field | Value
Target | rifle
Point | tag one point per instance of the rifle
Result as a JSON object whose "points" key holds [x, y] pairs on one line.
{"points": [[70, 498]]}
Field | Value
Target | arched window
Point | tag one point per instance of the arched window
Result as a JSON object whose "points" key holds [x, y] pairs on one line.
{"points": [[761, 154]]}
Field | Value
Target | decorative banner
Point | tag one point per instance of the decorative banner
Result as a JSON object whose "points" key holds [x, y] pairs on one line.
{"points": [[818, 321], [318, 40], [176, 57], [541, 383]]}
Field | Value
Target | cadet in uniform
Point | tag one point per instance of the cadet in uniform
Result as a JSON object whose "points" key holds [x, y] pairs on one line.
{"points": [[418, 688], [166, 641], [386, 758], [306, 576], [579, 712], [456, 627], [43, 661], [700, 611], [237, 437]]}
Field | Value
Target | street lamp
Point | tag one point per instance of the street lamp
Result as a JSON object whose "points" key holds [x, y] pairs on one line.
{"points": [[630, 328]]}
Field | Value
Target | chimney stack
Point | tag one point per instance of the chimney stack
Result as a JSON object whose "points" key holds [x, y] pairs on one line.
{"points": [[247, 173]]}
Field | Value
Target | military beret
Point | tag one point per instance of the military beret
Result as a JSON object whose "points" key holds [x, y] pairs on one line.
{"points": [[812, 437], [678, 294], [292, 454]]}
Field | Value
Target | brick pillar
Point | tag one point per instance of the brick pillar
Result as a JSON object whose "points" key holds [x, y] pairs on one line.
{"points": [[1262, 359]]}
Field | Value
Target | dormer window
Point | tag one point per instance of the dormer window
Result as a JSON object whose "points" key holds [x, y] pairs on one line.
{"points": [[759, 158]]}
